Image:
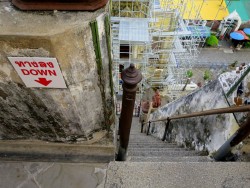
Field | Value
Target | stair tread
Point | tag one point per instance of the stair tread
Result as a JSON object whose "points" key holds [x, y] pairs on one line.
{"points": [[177, 174], [154, 142], [158, 149], [152, 146], [170, 154], [170, 159], [144, 147]]}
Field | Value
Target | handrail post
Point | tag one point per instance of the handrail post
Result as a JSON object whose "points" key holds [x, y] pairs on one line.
{"points": [[166, 129], [234, 140], [149, 123], [131, 77], [142, 125], [242, 133]]}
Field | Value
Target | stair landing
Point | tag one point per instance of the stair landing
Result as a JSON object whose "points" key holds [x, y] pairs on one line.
{"points": [[177, 174]]}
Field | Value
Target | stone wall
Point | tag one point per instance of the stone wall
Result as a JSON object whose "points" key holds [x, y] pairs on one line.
{"points": [[70, 114], [206, 133], [230, 82]]}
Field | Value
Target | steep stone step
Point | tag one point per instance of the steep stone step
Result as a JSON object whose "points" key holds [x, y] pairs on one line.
{"points": [[145, 139], [156, 149], [152, 146], [148, 139], [170, 159], [144, 147], [142, 135], [154, 142], [163, 153], [177, 174], [132, 138]]}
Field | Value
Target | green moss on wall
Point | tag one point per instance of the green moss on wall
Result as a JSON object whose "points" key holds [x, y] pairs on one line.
{"points": [[96, 42], [108, 41]]}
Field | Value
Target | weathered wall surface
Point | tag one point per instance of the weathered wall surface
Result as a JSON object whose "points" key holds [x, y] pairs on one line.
{"points": [[53, 114], [230, 82], [206, 133]]}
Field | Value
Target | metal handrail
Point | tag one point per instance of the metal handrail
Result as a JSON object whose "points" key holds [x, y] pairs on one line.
{"points": [[225, 149], [205, 113]]}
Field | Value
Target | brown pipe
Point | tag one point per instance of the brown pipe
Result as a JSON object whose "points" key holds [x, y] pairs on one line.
{"points": [[242, 132], [208, 112], [131, 77], [224, 152]]}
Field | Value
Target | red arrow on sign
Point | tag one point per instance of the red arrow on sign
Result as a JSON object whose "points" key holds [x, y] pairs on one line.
{"points": [[43, 81]]}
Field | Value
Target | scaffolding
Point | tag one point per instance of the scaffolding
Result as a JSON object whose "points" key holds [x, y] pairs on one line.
{"points": [[152, 35]]}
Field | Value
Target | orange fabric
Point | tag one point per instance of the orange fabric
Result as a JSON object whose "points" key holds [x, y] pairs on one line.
{"points": [[156, 100], [238, 101], [145, 106]]}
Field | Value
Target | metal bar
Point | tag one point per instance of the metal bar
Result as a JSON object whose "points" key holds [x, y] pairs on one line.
{"points": [[225, 150], [142, 125], [209, 112], [242, 132], [149, 123], [131, 77], [166, 129]]}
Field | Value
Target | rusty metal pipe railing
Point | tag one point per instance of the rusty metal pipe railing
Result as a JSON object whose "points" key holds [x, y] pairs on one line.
{"points": [[208, 112], [203, 113]]}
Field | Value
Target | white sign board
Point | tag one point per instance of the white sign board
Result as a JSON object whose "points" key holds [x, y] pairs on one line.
{"points": [[39, 71]]}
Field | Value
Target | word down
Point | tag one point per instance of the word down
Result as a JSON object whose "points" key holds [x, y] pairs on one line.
{"points": [[39, 71]]}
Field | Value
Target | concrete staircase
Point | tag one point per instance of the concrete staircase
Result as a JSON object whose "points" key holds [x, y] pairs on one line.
{"points": [[147, 148], [153, 163]]}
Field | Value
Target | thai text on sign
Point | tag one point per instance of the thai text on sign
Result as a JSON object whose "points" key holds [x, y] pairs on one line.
{"points": [[33, 64], [39, 71]]}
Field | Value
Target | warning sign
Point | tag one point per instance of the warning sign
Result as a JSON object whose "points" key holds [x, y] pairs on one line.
{"points": [[39, 71]]}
